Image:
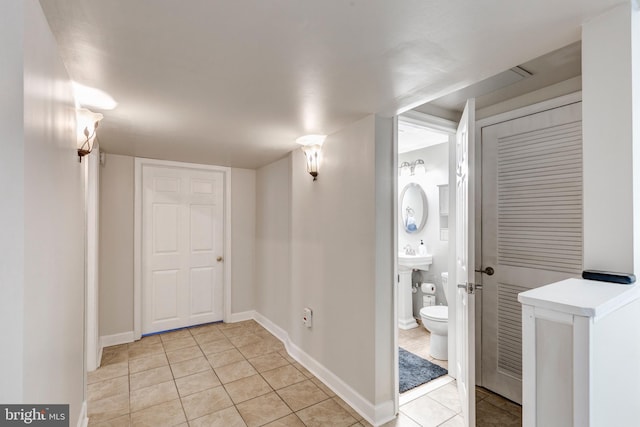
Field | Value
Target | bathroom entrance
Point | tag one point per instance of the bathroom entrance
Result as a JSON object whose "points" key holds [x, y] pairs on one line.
{"points": [[527, 224], [424, 146]]}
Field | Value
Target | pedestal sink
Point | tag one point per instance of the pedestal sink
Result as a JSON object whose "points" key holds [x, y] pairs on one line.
{"points": [[406, 265]]}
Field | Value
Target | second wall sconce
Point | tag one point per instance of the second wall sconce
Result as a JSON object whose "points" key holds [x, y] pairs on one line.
{"points": [[312, 148], [87, 123], [414, 168]]}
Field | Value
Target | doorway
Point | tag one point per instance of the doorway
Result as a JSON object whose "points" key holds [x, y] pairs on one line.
{"points": [[548, 82], [423, 229], [182, 245]]}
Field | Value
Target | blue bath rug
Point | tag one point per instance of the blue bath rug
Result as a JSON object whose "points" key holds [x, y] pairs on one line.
{"points": [[415, 371]]}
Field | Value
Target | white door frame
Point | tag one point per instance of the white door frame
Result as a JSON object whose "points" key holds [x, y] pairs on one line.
{"points": [[449, 127], [137, 244], [528, 110], [396, 275], [538, 107], [92, 207]]}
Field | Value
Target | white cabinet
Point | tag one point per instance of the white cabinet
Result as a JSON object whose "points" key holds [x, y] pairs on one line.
{"points": [[443, 193], [443, 208], [581, 354]]}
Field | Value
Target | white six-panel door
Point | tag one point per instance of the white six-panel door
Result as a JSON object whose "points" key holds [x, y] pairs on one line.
{"points": [[465, 261], [182, 247]]}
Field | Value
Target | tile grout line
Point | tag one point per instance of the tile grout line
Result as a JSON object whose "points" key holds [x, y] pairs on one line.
{"points": [[199, 346]]}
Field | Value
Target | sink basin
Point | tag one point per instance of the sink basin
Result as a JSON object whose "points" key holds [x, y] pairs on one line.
{"points": [[414, 262]]}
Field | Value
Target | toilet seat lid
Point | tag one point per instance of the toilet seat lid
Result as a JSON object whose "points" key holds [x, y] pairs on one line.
{"points": [[435, 312]]}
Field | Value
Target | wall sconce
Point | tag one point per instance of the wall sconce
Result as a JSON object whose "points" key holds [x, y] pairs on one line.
{"points": [[87, 123], [410, 169], [312, 149]]}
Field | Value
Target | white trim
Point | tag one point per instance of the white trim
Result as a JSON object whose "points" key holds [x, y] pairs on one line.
{"points": [[427, 120], [137, 250], [427, 388], [241, 316], [83, 420], [227, 244], [116, 339], [137, 239], [538, 107], [396, 274], [99, 356], [92, 200], [374, 414], [529, 397]]}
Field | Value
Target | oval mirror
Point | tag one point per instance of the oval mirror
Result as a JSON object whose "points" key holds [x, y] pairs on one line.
{"points": [[413, 208]]}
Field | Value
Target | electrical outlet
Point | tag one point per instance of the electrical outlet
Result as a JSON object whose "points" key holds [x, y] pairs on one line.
{"points": [[306, 317]]}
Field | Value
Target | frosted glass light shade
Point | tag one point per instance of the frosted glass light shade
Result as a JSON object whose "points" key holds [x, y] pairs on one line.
{"points": [[312, 149], [313, 154], [87, 123], [405, 169]]}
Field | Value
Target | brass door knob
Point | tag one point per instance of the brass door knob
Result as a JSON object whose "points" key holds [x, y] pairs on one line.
{"points": [[219, 259]]}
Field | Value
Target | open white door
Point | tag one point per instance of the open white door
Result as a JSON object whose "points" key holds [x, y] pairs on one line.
{"points": [[465, 300]]}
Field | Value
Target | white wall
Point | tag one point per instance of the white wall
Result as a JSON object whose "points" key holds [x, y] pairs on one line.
{"points": [[328, 245], [436, 160], [12, 191], [385, 326], [272, 293], [611, 159], [116, 245], [116, 242], [243, 232], [53, 312], [332, 255]]}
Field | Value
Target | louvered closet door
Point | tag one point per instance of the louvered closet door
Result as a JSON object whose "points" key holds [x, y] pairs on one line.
{"points": [[531, 227]]}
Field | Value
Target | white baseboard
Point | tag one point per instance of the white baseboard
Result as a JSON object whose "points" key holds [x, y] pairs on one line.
{"points": [[99, 355], [116, 339], [276, 330], [374, 414], [244, 315], [83, 420]]}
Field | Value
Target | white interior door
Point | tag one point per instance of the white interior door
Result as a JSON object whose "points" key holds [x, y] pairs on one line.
{"points": [[465, 300], [531, 227], [182, 247]]}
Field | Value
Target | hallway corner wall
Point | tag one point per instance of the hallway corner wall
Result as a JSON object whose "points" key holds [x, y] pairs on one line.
{"points": [[328, 245], [272, 291], [243, 245], [12, 190], [54, 232], [116, 245]]}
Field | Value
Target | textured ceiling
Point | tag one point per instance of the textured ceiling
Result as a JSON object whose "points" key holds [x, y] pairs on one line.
{"points": [[234, 82]]}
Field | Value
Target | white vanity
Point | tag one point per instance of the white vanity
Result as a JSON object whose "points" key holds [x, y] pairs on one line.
{"points": [[406, 265], [413, 214], [581, 354]]}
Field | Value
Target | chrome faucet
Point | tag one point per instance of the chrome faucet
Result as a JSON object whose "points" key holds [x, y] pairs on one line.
{"points": [[408, 250]]}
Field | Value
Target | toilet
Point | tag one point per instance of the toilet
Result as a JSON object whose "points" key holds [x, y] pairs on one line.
{"points": [[435, 319]]}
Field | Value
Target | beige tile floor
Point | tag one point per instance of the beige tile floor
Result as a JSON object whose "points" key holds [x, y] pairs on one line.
{"points": [[215, 375], [240, 375], [441, 407]]}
